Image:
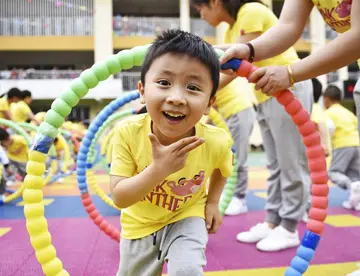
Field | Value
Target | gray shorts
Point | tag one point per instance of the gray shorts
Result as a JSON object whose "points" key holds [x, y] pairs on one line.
{"points": [[182, 244]]}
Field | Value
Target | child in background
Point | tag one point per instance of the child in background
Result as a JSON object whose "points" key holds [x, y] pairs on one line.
{"points": [[21, 111], [319, 117], [345, 163], [162, 160], [13, 96], [17, 151]]}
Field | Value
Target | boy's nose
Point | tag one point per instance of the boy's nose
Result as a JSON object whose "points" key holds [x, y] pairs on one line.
{"points": [[176, 98]]}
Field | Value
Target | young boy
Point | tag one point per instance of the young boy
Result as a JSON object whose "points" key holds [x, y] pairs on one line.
{"points": [[17, 151], [345, 164], [162, 160]]}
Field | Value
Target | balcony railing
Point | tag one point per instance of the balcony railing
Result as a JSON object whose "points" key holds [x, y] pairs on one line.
{"points": [[129, 79], [83, 26]]}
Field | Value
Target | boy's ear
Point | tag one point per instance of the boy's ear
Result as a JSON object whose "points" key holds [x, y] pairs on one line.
{"points": [[141, 90], [211, 102]]}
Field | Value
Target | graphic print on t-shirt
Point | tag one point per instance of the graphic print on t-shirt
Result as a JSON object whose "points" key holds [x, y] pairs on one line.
{"points": [[171, 195]]}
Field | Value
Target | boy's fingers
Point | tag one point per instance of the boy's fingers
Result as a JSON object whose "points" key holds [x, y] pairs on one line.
{"points": [[209, 221], [191, 146], [183, 143], [154, 140]]}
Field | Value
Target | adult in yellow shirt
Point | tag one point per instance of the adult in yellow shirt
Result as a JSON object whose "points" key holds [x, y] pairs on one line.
{"points": [[344, 170], [12, 96], [341, 15], [21, 111], [17, 151], [233, 102], [289, 180]]}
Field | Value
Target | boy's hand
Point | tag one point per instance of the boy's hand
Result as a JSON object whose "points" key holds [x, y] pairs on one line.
{"points": [[172, 158], [212, 217]]}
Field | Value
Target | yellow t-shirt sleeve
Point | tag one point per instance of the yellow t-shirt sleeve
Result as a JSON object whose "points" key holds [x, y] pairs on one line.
{"points": [[226, 158], [250, 21], [122, 163]]}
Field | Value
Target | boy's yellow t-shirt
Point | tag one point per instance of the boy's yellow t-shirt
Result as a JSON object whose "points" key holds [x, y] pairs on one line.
{"points": [[253, 18], [181, 194], [18, 150], [346, 133], [336, 13], [20, 111], [4, 106]]}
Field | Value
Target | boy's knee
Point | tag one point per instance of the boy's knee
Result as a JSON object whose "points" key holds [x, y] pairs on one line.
{"points": [[185, 269]]}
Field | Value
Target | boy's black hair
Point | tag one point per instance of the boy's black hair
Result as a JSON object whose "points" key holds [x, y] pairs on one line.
{"points": [[13, 93], [4, 135], [142, 110], [333, 93], [231, 6], [317, 89], [26, 93], [180, 42]]}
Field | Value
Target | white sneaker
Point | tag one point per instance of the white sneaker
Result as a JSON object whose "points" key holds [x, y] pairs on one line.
{"points": [[279, 239], [355, 273], [255, 234], [10, 183], [354, 198], [237, 206]]}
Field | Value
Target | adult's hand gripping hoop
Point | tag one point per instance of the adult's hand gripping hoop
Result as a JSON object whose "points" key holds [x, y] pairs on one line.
{"points": [[317, 166]]}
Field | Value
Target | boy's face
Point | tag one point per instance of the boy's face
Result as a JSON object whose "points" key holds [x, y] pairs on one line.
{"points": [[177, 94], [327, 102], [209, 13], [6, 143]]}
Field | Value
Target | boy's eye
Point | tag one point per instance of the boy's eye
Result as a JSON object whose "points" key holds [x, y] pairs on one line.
{"points": [[163, 82], [193, 87]]}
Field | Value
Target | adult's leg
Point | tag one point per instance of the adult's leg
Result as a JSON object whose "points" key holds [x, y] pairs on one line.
{"points": [[240, 126]]}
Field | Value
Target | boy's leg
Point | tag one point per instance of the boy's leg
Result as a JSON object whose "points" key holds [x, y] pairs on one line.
{"points": [[340, 162], [240, 126], [184, 247], [139, 257]]}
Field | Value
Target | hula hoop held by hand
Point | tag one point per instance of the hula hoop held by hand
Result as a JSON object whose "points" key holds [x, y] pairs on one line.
{"points": [[36, 222]]}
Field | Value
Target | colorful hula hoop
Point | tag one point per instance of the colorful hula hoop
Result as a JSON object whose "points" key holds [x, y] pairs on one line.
{"points": [[15, 194], [89, 176], [52, 154], [84, 168], [36, 222], [317, 166], [108, 122]]}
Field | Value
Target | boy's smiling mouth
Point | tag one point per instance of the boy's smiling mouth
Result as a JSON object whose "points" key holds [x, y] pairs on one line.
{"points": [[174, 116]]}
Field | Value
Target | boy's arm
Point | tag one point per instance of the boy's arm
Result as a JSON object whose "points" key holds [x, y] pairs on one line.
{"points": [[128, 191], [323, 131], [212, 214], [216, 185]]}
